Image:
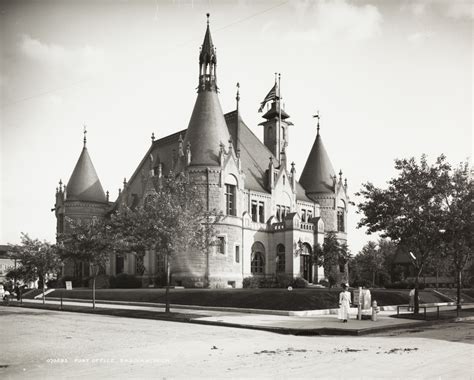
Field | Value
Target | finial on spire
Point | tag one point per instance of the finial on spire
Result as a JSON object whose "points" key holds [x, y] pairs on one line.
{"points": [[340, 175], [237, 97], [317, 117], [85, 137], [124, 182], [107, 195], [153, 137], [207, 15]]}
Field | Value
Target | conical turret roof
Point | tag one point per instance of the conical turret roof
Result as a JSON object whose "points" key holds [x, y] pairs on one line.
{"points": [[318, 173], [207, 130], [84, 184]]}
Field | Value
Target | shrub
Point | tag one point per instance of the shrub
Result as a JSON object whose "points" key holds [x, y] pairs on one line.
{"points": [[283, 280], [102, 281], [267, 282], [299, 282], [403, 285], [324, 283], [125, 281], [251, 282], [160, 280], [362, 283], [53, 283], [76, 282]]}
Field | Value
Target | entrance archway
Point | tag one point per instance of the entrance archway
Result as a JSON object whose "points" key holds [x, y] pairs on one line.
{"points": [[257, 265], [306, 263]]}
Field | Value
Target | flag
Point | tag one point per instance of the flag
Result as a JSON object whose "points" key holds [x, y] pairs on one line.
{"points": [[272, 95]]}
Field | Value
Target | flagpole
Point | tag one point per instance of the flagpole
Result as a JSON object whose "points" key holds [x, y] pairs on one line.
{"points": [[279, 116]]}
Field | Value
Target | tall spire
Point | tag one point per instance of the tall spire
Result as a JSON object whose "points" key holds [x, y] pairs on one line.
{"points": [[207, 129], [207, 63]]}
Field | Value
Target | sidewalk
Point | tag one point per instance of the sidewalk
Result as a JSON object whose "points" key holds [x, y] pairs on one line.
{"points": [[323, 323]]}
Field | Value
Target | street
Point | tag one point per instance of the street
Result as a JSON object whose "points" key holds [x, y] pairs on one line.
{"points": [[45, 344]]}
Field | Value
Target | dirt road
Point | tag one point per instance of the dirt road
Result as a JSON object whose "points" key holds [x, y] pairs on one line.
{"points": [[47, 344]]}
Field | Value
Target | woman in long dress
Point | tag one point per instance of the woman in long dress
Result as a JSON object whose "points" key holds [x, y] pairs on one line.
{"points": [[344, 303]]}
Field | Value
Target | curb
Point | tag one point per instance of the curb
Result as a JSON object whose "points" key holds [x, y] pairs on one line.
{"points": [[275, 329]]}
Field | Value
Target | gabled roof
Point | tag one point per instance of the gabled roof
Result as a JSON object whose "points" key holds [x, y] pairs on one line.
{"points": [[254, 155], [84, 184], [318, 173]]}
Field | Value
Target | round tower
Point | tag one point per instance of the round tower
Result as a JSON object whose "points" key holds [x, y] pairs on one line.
{"points": [[325, 188], [208, 157], [83, 197]]}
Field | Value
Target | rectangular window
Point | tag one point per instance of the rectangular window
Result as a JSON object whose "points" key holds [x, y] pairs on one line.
{"points": [[221, 245], [261, 212], [340, 220], [310, 215], [278, 213], [230, 199], [237, 253], [303, 215], [254, 211]]}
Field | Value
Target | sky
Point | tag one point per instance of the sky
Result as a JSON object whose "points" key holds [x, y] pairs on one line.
{"points": [[391, 79]]}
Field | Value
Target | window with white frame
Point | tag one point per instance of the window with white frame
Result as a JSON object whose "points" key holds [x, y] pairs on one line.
{"points": [[281, 261]]}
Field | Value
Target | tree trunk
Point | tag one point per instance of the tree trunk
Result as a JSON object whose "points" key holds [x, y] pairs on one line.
{"points": [[167, 300], [417, 303], [44, 289], [459, 284], [93, 292]]}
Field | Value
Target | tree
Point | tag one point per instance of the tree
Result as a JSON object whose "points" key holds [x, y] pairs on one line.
{"points": [[373, 264], [333, 255], [87, 241], [172, 219], [134, 231], [38, 259], [409, 210], [20, 273], [458, 223]]}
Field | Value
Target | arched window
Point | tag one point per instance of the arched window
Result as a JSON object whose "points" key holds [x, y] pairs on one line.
{"points": [[280, 259], [257, 265], [341, 210], [230, 190]]}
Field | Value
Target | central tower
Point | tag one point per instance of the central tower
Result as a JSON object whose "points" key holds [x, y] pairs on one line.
{"points": [[207, 130]]}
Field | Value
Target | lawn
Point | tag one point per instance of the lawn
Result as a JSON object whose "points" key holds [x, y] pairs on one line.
{"points": [[269, 299]]}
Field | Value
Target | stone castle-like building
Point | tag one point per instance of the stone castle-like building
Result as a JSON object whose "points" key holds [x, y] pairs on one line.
{"points": [[272, 221]]}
